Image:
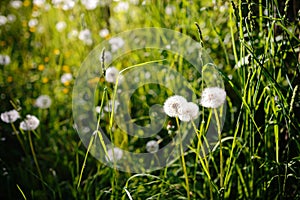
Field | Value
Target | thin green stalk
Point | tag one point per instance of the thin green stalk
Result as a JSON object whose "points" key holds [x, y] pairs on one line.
{"points": [[34, 155], [183, 163], [18, 137], [221, 151]]}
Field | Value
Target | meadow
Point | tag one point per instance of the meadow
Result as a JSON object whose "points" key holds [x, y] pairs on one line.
{"points": [[96, 104]]}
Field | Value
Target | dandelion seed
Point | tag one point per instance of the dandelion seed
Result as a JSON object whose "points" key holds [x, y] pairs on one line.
{"points": [[43, 102], [86, 36], [104, 33], [90, 4], [188, 112], [66, 78], [213, 97], [173, 105], [4, 59], [114, 154], [112, 74], [33, 22], [30, 123], [10, 116], [110, 104], [152, 146], [60, 26], [16, 4], [3, 20], [116, 43]]}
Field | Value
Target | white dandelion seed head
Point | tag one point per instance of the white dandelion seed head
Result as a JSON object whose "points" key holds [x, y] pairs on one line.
{"points": [[189, 111], [11, 18], [39, 3], [3, 20], [30, 123], [104, 32], [86, 36], [170, 9], [152, 146], [43, 102], [60, 26], [213, 97], [33, 22], [121, 7], [66, 77], [114, 154], [116, 43], [16, 4], [111, 75], [90, 4], [4, 59], [173, 105], [10, 116], [110, 104]]}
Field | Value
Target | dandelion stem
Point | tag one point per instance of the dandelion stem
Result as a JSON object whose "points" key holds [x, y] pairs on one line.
{"points": [[34, 155], [183, 162], [220, 142], [18, 137]]}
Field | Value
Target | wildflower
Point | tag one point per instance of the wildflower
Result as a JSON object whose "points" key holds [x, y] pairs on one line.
{"points": [[10, 116], [173, 105], [110, 104], [60, 26], [213, 97], [188, 112], [111, 74], [86, 36], [90, 4], [116, 43], [11, 18], [64, 4], [152, 146], [4, 59], [114, 154], [104, 33], [43, 102], [3, 20], [73, 34], [16, 4], [66, 78], [30, 123]]}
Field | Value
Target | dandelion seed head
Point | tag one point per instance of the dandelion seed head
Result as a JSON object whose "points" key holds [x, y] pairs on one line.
{"points": [[213, 97], [116, 43], [86, 36], [16, 4], [3, 20], [152, 146], [43, 102], [173, 105], [90, 4], [114, 154], [111, 74], [60, 26], [104, 33], [66, 77], [10, 116], [188, 112], [4, 59], [30, 123]]}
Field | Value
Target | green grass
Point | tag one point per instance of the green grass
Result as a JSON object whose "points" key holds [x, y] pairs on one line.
{"points": [[255, 46]]}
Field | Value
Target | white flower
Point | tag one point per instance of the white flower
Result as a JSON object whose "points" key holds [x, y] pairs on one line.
{"points": [[188, 112], [73, 34], [114, 154], [86, 36], [152, 146], [173, 105], [4, 59], [10, 116], [66, 77], [104, 32], [39, 2], [110, 104], [11, 18], [43, 102], [64, 4], [116, 43], [30, 123], [16, 4], [90, 4], [111, 75], [60, 26], [33, 22], [3, 20], [213, 97]]}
